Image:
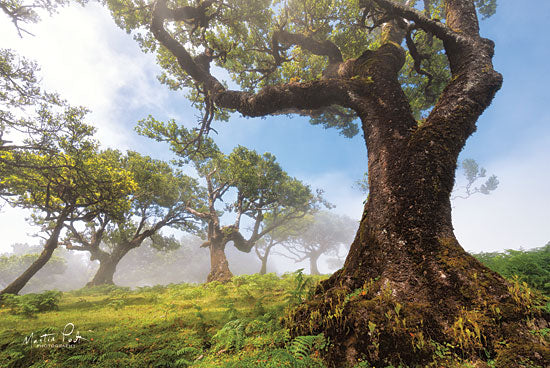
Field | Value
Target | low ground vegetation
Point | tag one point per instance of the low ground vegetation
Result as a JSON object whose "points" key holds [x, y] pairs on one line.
{"points": [[236, 324]]}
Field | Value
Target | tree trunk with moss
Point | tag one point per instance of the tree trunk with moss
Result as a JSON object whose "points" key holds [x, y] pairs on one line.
{"points": [[263, 268], [219, 267], [105, 273], [218, 237], [313, 270], [407, 282]]}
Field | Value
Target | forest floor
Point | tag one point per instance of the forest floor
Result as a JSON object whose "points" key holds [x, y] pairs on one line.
{"points": [[237, 324]]}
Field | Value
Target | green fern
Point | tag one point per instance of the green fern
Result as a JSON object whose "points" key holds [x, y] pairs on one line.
{"points": [[302, 285], [231, 336], [112, 355], [187, 356], [30, 304], [302, 347]]}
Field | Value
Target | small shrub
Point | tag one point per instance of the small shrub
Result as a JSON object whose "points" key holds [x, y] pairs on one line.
{"points": [[186, 356], [30, 304]]}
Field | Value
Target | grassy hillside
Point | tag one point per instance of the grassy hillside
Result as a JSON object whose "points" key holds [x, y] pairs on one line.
{"points": [[237, 324], [211, 325]]}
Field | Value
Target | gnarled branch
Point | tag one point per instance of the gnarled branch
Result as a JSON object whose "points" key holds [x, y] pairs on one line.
{"points": [[325, 48], [309, 95]]}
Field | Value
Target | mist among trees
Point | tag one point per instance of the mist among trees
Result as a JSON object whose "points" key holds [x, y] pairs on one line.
{"points": [[411, 78]]}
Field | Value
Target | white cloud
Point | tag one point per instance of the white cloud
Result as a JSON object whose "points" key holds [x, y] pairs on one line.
{"points": [[15, 229], [90, 62]]}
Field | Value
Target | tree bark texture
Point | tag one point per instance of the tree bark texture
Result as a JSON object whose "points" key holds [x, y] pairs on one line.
{"points": [[218, 237], [51, 244], [406, 281]]}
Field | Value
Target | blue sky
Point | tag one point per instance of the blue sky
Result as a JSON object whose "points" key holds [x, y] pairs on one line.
{"points": [[91, 62]]}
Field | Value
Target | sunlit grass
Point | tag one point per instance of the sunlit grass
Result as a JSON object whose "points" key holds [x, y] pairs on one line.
{"points": [[155, 327], [237, 324]]}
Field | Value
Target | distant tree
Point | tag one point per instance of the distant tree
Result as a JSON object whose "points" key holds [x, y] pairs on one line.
{"points": [[150, 265], [324, 233], [277, 236], [472, 173], [161, 199], [250, 185], [69, 181]]}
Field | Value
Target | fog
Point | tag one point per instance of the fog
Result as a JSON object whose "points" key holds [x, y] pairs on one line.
{"points": [[143, 266]]}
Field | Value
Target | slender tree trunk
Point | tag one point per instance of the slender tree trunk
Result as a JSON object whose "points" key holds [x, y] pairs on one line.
{"points": [[108, 263], [219, 267], [263, 269], [264, 259], [313, 270], [50, 246]]}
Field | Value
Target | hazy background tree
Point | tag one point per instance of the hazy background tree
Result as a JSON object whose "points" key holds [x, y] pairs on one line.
{"points": [[278, 236], [473, 173], [160, 200], [323, 234], [188, 263], [251, 185]]}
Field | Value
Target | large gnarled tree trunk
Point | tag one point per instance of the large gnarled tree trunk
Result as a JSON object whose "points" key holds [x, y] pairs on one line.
{"points": [[217, 241], [407, 288], [418, 287]]}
